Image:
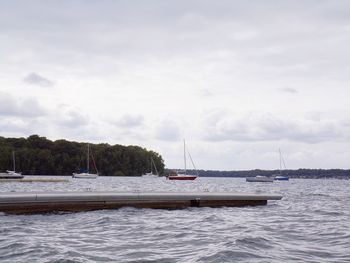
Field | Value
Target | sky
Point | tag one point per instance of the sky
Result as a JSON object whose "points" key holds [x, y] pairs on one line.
{"points": [[237, 80]]}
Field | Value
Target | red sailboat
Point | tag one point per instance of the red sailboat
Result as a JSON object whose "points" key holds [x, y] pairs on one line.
{"points": [[184, 176]]}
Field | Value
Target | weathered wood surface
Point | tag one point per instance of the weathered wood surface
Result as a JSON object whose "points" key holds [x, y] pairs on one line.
{"points": [[39, 202], [35, 180]]}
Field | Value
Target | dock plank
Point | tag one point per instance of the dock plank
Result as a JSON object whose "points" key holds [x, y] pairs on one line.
{"points": [[38, 202]]}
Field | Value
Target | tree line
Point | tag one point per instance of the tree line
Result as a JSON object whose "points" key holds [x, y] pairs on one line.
{"points": [[37, 155], [299, 173]]}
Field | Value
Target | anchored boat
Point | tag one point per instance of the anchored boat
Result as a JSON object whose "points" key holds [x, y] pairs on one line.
{"points": [[87, 174], [151, 174], [184, 176], [12, 174], [280, 176]]}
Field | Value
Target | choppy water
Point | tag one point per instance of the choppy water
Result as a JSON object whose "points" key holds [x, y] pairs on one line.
{"points": [[310, 224]]}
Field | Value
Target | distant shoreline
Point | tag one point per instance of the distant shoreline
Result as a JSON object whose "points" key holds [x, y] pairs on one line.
{"points": [[298, 173]]}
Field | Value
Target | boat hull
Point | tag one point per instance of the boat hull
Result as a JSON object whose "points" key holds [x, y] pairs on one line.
{"points": [[178, 177], [149, 175], [259, 179], [7, 176], [281, 178], [11, 175], [85, 176]]}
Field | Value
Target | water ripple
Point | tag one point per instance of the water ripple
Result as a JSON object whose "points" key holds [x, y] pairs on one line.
{"points": [[310, 224]]}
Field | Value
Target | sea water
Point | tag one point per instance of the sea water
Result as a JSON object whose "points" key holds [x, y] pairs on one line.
{"points": [[310, 224]]}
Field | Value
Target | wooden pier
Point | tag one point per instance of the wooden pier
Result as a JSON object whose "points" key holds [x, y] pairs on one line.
{"points": [[42, 202], [34, 180]]}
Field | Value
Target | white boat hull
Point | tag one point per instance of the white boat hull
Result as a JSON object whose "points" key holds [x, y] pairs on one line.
{"points": [[11, 175], [262, 179], [84, 176], [149, 175]]}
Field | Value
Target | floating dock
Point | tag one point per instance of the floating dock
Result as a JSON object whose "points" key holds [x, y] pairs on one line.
{"points": [[33, 180], [42, 202]]}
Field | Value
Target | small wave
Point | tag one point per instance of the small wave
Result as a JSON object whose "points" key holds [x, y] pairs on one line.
{"points": [[308, 225], [329, 213], [254, 242], [230, 256], [317, 194], [65, 261]]}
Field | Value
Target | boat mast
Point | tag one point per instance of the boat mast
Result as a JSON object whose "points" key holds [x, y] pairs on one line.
{"points": [[155, 167], [192, 162], [185, 155], [14, 161], [279, 150], [88, 153]]}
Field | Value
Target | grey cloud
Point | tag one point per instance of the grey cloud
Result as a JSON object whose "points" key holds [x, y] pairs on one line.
{"points": [[36, 79], [12, 125], [167, 131], [259, 127], [129, 121], [274, 38], [17, 126], [289, 90], [205, 93], [71, 118], [11, 106]]}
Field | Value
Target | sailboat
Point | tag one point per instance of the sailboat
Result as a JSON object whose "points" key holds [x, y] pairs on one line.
{"points": [[184, 176], [280, 177], [87, 174], [12, 174], [151, 174]]}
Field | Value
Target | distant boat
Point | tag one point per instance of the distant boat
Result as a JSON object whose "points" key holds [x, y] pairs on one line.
{"points": [[184, 176], [12, 174], [87, 174], [280, 176], [260, 178], [151, 174]]}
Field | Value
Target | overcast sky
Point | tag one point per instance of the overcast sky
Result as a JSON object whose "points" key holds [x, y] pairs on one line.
{"points": [[236, 79]]}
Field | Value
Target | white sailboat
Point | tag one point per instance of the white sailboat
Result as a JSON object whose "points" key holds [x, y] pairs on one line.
{"points": [[87, 174], [12, 174], [151, 174]]}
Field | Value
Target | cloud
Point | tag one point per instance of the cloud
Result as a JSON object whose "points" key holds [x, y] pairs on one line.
{"points": [[129, 121], [10, 125], [253, 127], [71, 118], [288, 90], [12, 106], [36, 79], [205, 93], [176, 58], [167, 130]]}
